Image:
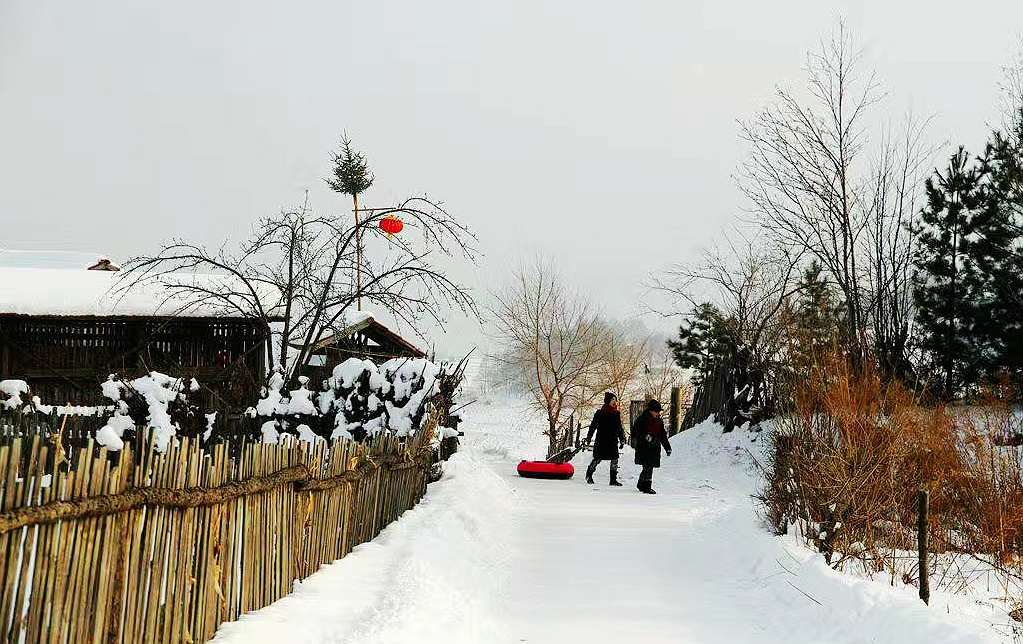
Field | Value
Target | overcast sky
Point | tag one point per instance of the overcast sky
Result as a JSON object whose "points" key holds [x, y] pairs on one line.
{"points": [[602, 133]]}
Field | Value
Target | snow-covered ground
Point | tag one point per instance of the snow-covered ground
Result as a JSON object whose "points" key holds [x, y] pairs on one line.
{"points": [[491, 557]]}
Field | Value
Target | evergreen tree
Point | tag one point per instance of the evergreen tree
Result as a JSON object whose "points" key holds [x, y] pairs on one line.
{"points": [[999, 251], [703, 341], [817, 320], [352, 177], [949, 285]]}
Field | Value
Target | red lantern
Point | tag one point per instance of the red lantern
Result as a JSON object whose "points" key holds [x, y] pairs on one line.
{"points": [[391, 225]]}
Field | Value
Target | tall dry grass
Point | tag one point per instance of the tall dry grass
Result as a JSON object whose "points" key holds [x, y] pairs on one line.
{"points": [[848, 460]]}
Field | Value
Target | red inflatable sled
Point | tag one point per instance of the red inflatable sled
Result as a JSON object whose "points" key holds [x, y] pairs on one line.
{"points": [[545, 470]]}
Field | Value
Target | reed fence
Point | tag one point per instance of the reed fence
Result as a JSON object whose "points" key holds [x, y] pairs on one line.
{"points": [[165, 547]]}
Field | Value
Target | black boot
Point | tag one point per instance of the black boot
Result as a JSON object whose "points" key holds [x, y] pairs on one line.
{"points": [[614, 476], [648, 489]]}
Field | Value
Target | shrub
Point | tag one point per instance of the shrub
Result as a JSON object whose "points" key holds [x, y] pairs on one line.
{"points": [[848, 460]]}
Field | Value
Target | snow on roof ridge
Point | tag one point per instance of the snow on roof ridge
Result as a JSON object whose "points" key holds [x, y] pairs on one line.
{"points": [[35, 258], [80, 292]]}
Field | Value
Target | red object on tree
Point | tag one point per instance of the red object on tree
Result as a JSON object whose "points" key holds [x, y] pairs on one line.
{"points": [[391, 225]]}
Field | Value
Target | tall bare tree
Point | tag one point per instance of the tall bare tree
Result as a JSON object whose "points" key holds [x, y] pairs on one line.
{"points": [[817, 182], [296, 273], [897, 176], [553, 339]]}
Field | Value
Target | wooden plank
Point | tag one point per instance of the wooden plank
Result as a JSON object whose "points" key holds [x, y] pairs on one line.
{"points": [[43, 567], [9, 455], [30, 534]]}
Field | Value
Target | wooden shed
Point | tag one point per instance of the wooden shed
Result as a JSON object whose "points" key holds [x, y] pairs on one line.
{"points": [[64, 331], [364, 337]]}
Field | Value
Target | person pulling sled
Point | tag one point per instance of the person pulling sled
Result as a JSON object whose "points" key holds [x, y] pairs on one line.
{"points": [[648, 436], [607, 423]]}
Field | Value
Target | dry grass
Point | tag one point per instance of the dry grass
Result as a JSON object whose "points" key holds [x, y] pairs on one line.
{"points": [[849, 459]]}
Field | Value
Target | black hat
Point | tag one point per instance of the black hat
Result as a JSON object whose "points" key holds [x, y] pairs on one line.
{"points": [[608, 397], [653, 405]]}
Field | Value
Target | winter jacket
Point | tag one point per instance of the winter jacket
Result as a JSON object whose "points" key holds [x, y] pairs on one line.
{"points": [[607, 423], [648, 436]]}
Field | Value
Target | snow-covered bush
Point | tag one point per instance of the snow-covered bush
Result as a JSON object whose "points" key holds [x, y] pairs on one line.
{"points": [[147, 402], [359, 399], [11, 392], [152, 403]]}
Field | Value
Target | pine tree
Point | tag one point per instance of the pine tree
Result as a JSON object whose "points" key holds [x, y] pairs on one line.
{"points": [[999, 251], [817, 321], [352, 177], [948, 283], [703, 341]]}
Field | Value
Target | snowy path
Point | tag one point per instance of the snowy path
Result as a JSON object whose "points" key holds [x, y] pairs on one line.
{"points": [[491, 557]]}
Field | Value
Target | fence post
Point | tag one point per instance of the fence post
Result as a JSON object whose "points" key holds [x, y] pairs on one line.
{"points": [[921, 544], [673, 412]]}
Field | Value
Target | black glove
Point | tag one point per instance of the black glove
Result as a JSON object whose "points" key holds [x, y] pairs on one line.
{"points": [[621, 445], [669, 452]]}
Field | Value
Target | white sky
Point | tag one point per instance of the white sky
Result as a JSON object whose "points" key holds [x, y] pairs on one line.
{"points": [[602, 133]]}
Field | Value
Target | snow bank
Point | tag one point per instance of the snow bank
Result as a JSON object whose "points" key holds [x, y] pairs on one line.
{"points": [[432, 576], [781, 586]]}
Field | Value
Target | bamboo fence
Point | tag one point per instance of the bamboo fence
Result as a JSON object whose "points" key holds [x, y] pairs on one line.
{"points": [[164, 547]]}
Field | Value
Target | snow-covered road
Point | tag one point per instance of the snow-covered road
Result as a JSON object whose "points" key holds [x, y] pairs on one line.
{"points": [[491, 557]]}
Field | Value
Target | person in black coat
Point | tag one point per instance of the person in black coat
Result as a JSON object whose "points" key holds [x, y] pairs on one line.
{"points": [[607, 423], [648, 436]]}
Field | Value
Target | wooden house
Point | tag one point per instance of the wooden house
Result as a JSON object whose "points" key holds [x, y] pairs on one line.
{"points": [[64, 330]]}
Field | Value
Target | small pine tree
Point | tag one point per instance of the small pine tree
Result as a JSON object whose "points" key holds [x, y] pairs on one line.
{"points": [[352, 177], [817, 321], [703, 341], [948, 283], [351, 174]]}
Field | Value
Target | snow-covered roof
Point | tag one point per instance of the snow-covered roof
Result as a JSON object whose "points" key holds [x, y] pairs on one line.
{"points": [[78, 291]]}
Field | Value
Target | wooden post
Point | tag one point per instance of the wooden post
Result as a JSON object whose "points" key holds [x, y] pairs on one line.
{"points": [[921, 544], [636, 408], [358, 254], [673, 412]]}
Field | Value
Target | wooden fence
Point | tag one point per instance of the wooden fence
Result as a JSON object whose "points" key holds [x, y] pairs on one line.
{"points": [[165, 547]]}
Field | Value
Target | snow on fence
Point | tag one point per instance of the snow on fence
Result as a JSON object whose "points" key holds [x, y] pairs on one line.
{"points": [[165, 547]]}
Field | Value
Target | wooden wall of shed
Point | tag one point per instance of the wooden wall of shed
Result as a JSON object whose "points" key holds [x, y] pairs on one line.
{"points": [[65, 359]]}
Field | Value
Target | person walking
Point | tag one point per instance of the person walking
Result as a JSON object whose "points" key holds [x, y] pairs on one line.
{"points": [[607, 423], [648, 436]]}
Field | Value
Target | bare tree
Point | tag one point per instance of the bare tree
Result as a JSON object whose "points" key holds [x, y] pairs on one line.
{"points": [[553, 339], [751, 286], [814, 186], [661, 374], [749, 282], [626, 355], [297, 274], [896, 181]]}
